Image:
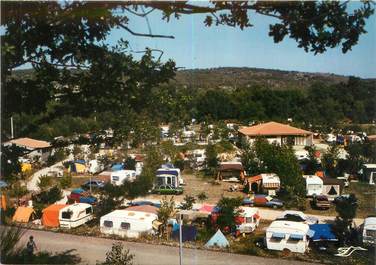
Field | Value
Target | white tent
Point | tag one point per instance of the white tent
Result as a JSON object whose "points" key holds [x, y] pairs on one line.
{"points": [[218, 240]]}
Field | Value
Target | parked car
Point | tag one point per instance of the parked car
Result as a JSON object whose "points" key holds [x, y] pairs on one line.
{"points": [[263, 200], [95, 184], [165, 189], [141, 203], [321, 202]]}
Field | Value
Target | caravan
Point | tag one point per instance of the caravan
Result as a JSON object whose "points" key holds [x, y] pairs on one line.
{"points": [[130, 222], [248, 219], [314, 185], [169, 176], [118, 177], [369, 231], [75, 215], [289, 235]]}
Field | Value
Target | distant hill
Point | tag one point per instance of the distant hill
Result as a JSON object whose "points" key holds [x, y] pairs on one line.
{"points": [[232, 77]]}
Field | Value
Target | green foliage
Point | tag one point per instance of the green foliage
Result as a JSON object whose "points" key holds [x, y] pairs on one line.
{"points": [[17, 190], [65, 181], [330, 160], [45, 182], [10, 166], [211, 159], [166, 211], [59, 155], [118, 255], [48, 197], [228, 212], [10, 236], [130, 163], [202, 196], [188, 202], [312, 163], [346, 210], [263, 157]]}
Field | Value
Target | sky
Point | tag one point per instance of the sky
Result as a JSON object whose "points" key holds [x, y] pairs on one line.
{"points": [[197, 46]]}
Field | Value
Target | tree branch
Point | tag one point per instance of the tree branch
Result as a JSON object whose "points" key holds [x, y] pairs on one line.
{"points": [[153, 50], [145, 35], [139, 14]]}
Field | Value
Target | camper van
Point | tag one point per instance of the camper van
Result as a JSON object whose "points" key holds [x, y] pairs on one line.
{"points": [[130, 222], [75, 215], [369, 231], [248, 219], [118, 177], [314, 185], [289, 235], [169, 176]]}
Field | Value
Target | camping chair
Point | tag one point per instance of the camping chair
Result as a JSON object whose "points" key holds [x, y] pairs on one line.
{"points": [[347, 251]]}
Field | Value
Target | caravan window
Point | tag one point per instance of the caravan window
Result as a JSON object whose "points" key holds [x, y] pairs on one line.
{"points": [[295, 238], [89, 210], [371, 233], [108, 223], [314, 186], [125, 226], [249, 220], [115, 178], [66, 215]]}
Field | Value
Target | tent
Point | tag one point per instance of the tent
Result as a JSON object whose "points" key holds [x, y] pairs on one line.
{"points": [[189, 233], [323, 232], [117, 167], [206, 208], [50, 217], [23, 214], [77, 166], [218, 240]]}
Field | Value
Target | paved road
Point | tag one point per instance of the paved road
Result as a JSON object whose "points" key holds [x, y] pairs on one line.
{"points": [[93, 249]]}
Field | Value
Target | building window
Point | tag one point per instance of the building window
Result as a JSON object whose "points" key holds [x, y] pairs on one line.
{"points": [[89, 210], [125, 226], [108, 223]]}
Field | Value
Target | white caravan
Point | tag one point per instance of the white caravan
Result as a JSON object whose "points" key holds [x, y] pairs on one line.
{"points": [[118, 177], [128, 223], [75, 215], [369, 231], [289, 235], [314, 185]]}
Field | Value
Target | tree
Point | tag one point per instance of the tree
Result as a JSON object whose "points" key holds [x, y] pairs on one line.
{"points": [[10, 165], [330, 159], [188, 202], [202, 196], [44, 182], [346, 211], [211, 159], [312, 164], [165, 212], [263, 157], [130, 163], [118, 255], [227, 213]]}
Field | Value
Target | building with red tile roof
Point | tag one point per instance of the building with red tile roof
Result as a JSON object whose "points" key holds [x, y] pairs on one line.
{"points": [[278, 133]]}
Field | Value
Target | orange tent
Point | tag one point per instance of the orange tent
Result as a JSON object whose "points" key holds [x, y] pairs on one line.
{"points": [[23, 214], [50, 217]]}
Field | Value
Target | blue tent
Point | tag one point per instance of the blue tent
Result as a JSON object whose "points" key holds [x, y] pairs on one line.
{"points": [[218, 240], [117, 167], [323, 232], [189, 232]]}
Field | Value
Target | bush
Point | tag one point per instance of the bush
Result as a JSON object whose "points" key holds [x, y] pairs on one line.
{"points": [[44, 182], [118, 255], [65, 181]]}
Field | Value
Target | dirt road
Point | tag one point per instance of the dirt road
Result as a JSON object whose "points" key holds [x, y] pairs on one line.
{"points": [[93, 249]]}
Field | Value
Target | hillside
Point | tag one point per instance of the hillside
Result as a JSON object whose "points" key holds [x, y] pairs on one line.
{"points": [[231, 77]]}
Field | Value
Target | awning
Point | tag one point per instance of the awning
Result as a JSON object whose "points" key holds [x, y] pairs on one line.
{"points": [[296, 236], [278, 235], [323, 232], [310, 233]]}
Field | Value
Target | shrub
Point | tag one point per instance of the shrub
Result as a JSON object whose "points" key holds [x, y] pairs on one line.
{"points": [[66, 181]]}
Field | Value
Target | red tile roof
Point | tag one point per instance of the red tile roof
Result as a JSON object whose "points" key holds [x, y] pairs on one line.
{"points": [[30, 143], [272, 128]]}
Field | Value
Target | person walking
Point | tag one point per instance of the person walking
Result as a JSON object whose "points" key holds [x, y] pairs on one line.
{"points": [[31, 246]]}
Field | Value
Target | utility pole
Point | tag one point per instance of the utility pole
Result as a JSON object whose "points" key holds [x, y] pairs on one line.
{"points": [[180, 240], [11, 127]]}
